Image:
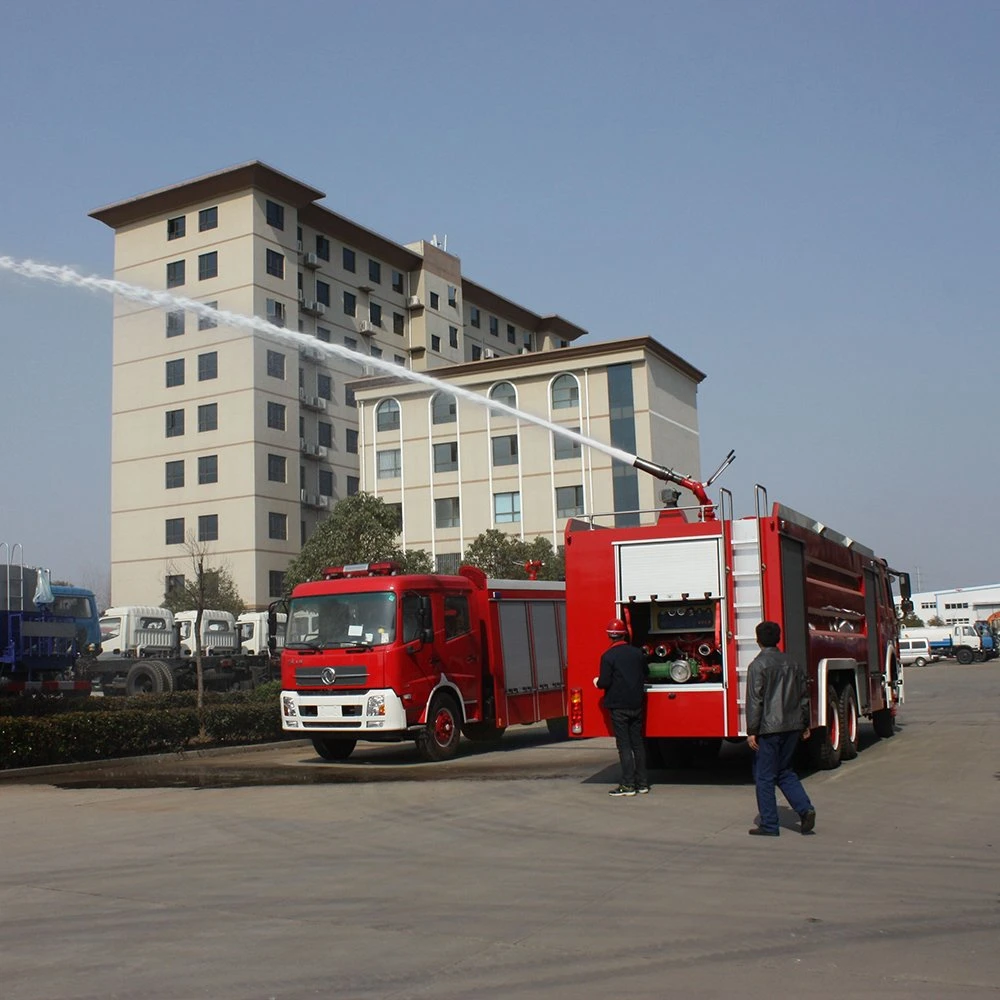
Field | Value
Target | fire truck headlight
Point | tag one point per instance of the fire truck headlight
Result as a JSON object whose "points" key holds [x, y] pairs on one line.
{"points": [[288, 705], [680, 671], [376, 705]]}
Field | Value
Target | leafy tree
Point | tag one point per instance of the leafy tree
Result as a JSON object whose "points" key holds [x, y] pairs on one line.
{"points": [[361, 529], [935, 621], [217, 587], [553, 562], [503, 556], [911, 620]]}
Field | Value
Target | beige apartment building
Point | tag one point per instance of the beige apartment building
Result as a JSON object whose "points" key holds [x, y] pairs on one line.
{"points": [[244, 442]]}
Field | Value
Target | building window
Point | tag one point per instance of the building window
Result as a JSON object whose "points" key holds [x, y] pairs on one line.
{"points": [[399, 360], [275, 312], [175, 274], [276, 583], [349, 399], [474, 317], [351, 343], [276, 416], [397, 282], [435, 342], [375, 314], [349, 262], [565, 393], [453, 336], [208, 265], [506, 508], [208, 528], [565, 447], [175, 372], [174, 475], [208, 469], [176, 227], [175, 423], [175, 531], [350, 304], [275, 214], [324, 386], [444, 409], [434, 300], [208, 366], [274, 263], [353, 485], [446, 513], [323, 293], [208, 322], [494, 326], [453, 296], [173, 583], [277, 468], [322, 247], [175, 323], [511, 334], [277, 526], [387, 415], [325, 483], [505, 450], [446, 456], [448, 562], [275, 364], [457, 620], [397, 323], [374, 271], [624, 478], [569, 501], [376, 352], [351, 441], [208, 218], [208, 417], [504, 392], [322, 333], [389, 464], [324, 434], [477, 352]]}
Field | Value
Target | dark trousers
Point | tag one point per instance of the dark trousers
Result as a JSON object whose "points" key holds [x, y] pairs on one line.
{"points": [[772, 767], [627, 724]]}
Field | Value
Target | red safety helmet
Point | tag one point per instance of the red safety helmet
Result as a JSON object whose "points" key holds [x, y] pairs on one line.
{"points": [[616, 627]]}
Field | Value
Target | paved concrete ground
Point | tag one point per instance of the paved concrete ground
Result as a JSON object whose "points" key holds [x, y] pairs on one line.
{"points": [[539, 885]]}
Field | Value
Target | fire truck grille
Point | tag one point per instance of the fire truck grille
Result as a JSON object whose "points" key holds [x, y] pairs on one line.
{"points": [[321, 677]]}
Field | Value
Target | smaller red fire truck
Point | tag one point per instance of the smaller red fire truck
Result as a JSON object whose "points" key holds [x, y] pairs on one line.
{"points": [[692, 586], [373, 654]]}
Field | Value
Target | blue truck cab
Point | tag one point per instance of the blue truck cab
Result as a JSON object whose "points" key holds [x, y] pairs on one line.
{"points": [[81, 606]]}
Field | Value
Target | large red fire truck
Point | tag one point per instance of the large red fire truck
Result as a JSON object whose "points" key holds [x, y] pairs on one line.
{"points": [[693, 585], [376, 655]]}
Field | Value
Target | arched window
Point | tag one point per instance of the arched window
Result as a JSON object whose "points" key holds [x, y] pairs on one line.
{"points": [[565, 393], [504, 392], [387, 415], [443, 408]]}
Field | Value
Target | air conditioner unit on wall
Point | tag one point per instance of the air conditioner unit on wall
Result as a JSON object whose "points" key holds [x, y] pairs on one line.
{"points": [[488, 352], [310, 260], [365, 327], [413, 302]]}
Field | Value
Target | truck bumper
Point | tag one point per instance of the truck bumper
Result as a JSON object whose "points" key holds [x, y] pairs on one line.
{"points": [[373, 712]]}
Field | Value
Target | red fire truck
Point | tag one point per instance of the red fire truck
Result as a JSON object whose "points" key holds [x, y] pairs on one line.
{"points": [[692, 586], [376, 655]]}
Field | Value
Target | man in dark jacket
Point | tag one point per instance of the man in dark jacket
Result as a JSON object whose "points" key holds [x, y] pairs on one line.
{"points": [[777, 715], [622, 678]]}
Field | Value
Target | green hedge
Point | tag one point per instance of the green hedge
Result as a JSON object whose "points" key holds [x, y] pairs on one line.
{"points": [[59, 732]]}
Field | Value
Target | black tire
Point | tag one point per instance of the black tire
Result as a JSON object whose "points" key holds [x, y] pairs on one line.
{"points": [[883, 723], [964, 655], [825, 742], [558, 728], [849, 723], [442, 730], [920, 662], [144, 678], [483, 732], [166, 673], [333, 747]]}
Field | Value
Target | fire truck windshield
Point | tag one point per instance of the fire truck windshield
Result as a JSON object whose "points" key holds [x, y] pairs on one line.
{"points": [[341, 621]]}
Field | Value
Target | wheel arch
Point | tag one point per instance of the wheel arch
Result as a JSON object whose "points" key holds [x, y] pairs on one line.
{"points": [[446, 685]]}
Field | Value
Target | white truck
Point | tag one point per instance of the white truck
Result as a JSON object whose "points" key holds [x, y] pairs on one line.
{"points": [[150, 650], [255, 632], [963, 642]]}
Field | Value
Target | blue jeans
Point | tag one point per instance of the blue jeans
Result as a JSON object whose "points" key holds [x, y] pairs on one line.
{"points": [[772, 767]]}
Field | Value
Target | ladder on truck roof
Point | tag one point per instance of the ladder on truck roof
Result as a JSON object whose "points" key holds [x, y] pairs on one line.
{"points": [[748, 592]]}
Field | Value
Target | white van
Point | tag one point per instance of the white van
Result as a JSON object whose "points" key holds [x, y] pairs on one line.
{"points": [[916, 652]]}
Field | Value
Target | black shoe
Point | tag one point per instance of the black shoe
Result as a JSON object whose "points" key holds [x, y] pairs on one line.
{"points": [[808, 820], [642, 789], [622, 790], [759, 831]]}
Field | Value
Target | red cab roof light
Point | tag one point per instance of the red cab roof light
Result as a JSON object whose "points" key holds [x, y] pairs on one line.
{"points": [[385, 568]]}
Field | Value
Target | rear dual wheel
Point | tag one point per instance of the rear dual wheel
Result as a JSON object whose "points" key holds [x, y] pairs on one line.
{"points": [[825, 743]]}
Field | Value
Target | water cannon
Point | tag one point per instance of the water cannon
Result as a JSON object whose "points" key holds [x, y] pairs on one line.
{"points": [[697, 488]]}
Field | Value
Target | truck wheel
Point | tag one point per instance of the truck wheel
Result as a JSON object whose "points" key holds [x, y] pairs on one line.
{"points": [[165, 673], [848, 724], [331, 748], [883, 723], [558, 728], [824, 744], [482, 732], [964, 655], [143, 678], [441, 732]]}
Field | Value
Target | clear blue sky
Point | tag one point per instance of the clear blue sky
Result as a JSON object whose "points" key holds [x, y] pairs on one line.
{"points": [[799, 198]]}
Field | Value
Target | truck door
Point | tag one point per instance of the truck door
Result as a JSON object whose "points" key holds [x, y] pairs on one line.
{"points": [[461, 648]]}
